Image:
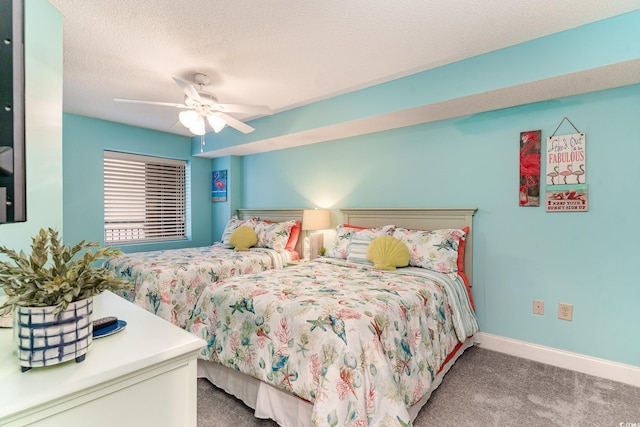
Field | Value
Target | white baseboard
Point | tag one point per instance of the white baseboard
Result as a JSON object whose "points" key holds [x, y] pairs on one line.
{"points": [[614, 371]]}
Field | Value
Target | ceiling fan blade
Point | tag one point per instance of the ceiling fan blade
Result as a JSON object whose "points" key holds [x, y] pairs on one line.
{"points": [[138, 101], [188, 89], [236, 124], [248, 109]]}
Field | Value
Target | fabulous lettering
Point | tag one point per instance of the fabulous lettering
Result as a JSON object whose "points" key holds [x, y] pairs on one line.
{"points": [[566, 157]]}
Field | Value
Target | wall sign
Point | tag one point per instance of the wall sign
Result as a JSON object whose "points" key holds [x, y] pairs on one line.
{"points": [[566, 157], [567, 198]]}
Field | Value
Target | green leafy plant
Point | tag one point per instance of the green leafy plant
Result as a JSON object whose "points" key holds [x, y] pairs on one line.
{"points": [[55, 274]]}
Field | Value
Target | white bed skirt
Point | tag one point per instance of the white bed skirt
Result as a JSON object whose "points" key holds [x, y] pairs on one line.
{"points": [[282, 407]]}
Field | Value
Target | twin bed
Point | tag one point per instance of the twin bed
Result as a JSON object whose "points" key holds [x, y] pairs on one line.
{"points": [[336, 341], [169, 282]]}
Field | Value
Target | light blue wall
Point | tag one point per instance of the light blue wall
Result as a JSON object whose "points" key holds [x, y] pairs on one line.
{"points": [[222, 211], [521, 253], [43, 108], [85, 140]]}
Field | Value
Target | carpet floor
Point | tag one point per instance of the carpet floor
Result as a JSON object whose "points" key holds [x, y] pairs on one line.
{"points": [[485, 388]]}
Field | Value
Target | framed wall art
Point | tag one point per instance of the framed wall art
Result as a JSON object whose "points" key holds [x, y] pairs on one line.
{"points": [[530, 168], [219, 186]]}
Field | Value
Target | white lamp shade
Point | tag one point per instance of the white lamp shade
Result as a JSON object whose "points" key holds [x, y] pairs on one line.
{"points": [[316, 219], [217, 123], [193, 121], [198, 127], [188, 118]]}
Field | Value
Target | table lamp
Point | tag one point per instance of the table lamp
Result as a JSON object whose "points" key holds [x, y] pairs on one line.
{"points": [[313, 220]]}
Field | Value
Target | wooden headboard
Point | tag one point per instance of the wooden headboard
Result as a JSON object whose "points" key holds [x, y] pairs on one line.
{"points": [[429, 219], [277, 215]]}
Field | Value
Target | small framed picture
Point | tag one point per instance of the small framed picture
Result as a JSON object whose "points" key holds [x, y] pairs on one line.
{"points": [[219, 186]]}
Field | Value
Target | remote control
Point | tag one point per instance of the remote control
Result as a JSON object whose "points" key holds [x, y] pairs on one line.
{"points": [[104, 322]]}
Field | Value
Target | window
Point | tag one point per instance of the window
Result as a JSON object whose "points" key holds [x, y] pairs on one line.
{"points": [[144, 198]]}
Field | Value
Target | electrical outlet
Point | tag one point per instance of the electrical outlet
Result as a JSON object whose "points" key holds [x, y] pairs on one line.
{"points": [[538, 307], [565, 311]]}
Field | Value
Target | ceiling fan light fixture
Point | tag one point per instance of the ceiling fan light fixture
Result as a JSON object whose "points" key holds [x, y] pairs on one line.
{"points": [[197, 128], [197, 131], [201, 104], [188, 118], [217, 123]]}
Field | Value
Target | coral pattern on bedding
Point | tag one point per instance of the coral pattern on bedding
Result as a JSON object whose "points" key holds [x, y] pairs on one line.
{"points": [[361, 344], [168, 283]]}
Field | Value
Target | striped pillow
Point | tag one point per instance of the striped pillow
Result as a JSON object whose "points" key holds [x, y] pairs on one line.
{"points": [[344, 233], [358, 249]]}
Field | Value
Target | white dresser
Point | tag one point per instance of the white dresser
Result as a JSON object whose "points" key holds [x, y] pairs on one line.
{"points": [[144, 375]]}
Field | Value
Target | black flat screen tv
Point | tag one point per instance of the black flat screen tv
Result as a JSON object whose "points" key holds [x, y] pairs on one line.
{"points": [[13, 206]]}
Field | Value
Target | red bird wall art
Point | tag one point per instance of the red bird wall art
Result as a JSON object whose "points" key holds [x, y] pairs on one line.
{"points": [[530, 168]]}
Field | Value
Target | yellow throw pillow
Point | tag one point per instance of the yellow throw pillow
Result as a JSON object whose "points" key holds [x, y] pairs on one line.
{"points": [[387, 253], [242, 238]]}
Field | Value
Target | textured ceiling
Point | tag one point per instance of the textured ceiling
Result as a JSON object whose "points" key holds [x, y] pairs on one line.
{"points": [[282, 53]]}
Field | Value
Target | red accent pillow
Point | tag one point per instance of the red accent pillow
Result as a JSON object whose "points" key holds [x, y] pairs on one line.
{"points": [[461, 245], [357, 227], [293, 238]]}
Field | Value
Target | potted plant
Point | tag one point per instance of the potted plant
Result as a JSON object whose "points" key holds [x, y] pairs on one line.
{"points": [[50, 292]]}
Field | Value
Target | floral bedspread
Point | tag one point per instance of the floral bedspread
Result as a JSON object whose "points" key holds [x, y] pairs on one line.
{"points": [[168, 283], [361, 344]]}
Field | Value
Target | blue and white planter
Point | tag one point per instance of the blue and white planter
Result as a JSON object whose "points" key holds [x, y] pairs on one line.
{"points": [[45, 339]]}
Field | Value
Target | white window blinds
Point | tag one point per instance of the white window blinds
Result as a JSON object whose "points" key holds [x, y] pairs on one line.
{"points": [[144, 198]]}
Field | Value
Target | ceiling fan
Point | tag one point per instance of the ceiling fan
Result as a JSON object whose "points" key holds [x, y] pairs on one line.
{"points": [[201, 107]]}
